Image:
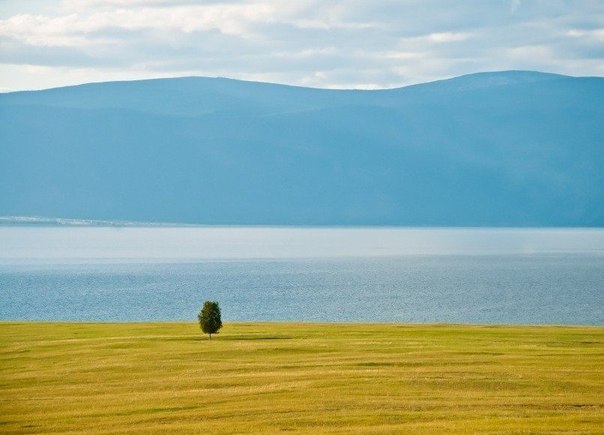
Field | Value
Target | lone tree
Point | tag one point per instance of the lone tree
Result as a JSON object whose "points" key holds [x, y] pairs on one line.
{"points": [[209, 318]]}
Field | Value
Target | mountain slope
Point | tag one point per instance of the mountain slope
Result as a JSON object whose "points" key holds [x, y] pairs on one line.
{"points": [[509, 148]]}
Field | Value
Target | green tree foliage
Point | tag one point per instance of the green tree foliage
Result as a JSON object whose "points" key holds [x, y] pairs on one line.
{"points": [[209, 318]]}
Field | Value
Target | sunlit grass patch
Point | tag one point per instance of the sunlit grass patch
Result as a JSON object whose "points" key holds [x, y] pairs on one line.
{"points": [[269, 377]]}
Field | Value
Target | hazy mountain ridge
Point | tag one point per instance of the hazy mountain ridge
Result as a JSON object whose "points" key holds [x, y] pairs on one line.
{"points": [[509, 148]]}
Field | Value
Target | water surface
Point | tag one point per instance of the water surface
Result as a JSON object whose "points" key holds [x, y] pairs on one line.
{"points": [[515, 276]]}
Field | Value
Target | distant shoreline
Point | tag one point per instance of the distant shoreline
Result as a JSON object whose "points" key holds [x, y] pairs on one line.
{"points": [[285, 323], [39, 221]]}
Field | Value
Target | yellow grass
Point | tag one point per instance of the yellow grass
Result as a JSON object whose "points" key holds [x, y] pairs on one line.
{"points": [[335, 378]]}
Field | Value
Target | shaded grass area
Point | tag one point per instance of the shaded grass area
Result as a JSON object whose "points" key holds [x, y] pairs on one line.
{"points": [[335, 378]]}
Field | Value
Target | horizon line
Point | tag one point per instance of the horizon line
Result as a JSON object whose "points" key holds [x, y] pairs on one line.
{"points": [[144, 79]]}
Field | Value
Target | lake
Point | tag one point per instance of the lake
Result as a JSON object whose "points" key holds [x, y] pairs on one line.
{"points": [[464, 275]]}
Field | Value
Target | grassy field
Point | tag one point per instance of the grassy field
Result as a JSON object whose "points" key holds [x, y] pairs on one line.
{"points": [[336, 378]]}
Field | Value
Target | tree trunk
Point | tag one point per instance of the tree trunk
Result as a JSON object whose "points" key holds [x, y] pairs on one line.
{"points": [[210, 336]]}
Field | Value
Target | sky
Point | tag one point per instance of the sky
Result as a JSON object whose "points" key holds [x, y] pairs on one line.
{"points": [[328, 44]]}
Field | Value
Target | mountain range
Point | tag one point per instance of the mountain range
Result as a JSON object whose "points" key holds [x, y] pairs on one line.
{"points": [[514, 148]]}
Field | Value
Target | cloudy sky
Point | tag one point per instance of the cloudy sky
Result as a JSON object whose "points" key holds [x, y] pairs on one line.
{"points": [[331, 43]]}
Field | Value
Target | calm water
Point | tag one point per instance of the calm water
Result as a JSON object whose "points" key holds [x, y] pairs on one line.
{"points": [[522, 276]]}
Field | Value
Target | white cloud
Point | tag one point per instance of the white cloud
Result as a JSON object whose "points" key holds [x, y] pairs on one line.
{"points": [[72, 29], [449, 36], [594, 35], [339, 43], [529, 52], [399, 55]]}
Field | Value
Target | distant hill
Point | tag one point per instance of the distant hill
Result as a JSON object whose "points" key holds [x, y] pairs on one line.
{"points": [[490, 149]]}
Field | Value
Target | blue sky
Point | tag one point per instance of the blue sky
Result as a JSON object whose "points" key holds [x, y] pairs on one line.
{"points": [[332, 44]]}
